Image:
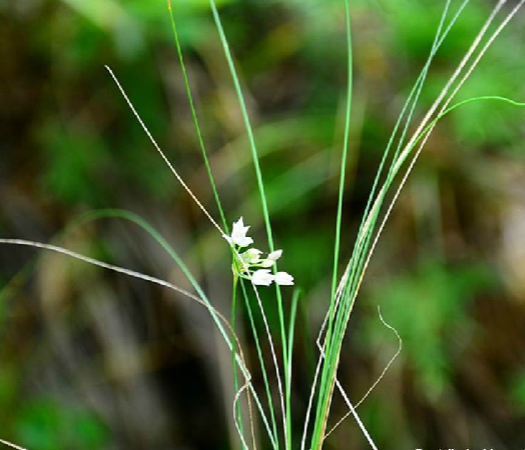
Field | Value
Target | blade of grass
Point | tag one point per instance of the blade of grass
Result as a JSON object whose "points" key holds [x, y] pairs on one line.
{"points": [[341, 329], [244, 110], [344, 156], [196, 123], [261, 362], [344, 153], [192, 195], [416, 90], [291, 335], [115, 213], [423, 135], [410, 106], [237, 416], [372, 217], [131, 273], [195, 117]]}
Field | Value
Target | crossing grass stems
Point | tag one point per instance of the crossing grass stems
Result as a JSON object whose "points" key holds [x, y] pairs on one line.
{"points": [[398, 160]]}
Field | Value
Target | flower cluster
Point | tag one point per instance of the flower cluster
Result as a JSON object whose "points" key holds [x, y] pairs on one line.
{"points": [[250, 264]]}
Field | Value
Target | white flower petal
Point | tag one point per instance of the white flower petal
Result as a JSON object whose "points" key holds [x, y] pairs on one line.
{"points": [[262, 277], [239, 231], [284, 279], [243, 241], [274, 256], [239, 224], [267, 262], [252, 256]]}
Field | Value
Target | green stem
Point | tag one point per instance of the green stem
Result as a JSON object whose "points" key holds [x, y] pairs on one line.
{"points": [[323, 406], [137, 220], [234, 350], [358, 267], [195, 118], [264, 203], [344, 155], [261, 363]]}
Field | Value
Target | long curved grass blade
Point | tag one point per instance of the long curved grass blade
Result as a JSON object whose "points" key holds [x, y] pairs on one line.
{"points": [[423, 137], [264, 204], [352, 278], [237, 410], [344, 157], [195, 117], [115, 213], [201, 206], [9, 444], [220, 319], [409, 106]]}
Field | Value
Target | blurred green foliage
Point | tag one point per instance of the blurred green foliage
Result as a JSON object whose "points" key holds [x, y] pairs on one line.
{"points": [[430, 309], [73, 146], [46, 425]]}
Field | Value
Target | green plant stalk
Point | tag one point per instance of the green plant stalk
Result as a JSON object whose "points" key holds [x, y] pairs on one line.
{"points": [[234, 351], [415, 92], [197, 126], [347, 304], [337, 243], [344, 154], [291, 335], [330, 368], [354, 282], [344, 157], [264, 204], [410, 104], [349, 296], [291, 327], [137, 220], [398, 164], [261, 362], [352, 286]]}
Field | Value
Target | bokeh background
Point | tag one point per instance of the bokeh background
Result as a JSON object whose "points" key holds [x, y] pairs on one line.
{"points": [[94, 360]]}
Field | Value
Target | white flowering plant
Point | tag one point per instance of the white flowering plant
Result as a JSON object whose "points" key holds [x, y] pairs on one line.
{"points": [[258, 268], [250, 264]]}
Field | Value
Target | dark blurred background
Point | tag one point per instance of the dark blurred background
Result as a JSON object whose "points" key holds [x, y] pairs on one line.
{"points": [[95, 360]]}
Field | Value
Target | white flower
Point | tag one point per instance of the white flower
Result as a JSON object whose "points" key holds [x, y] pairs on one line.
{"points": [[252, 256], [238, 236], [283, 279], [262, 277], [247, 264], [274, 256]]}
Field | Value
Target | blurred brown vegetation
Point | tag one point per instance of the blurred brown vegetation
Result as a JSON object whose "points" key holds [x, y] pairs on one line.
{"points": [[90, 359]]}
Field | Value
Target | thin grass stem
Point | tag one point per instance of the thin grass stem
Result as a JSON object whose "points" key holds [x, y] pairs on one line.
{"points": [[195, 117], [264, 204]]}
